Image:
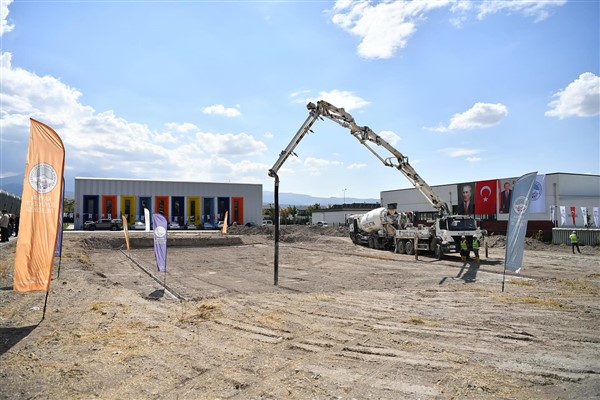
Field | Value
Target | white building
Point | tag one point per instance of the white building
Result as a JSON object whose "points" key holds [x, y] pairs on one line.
{"points": [[554, 193], [184, 202]]}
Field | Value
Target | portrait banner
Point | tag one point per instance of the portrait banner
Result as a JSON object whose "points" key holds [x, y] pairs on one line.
{"points": [[573, 215], [597, 217], [40, 209], [563, 215]]}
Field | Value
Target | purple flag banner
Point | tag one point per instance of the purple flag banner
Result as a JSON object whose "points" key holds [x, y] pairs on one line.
{"points": [[160, 241], [517, 221]]}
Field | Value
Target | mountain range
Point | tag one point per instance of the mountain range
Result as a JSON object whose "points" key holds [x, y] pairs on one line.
{"points": [[14, 185]]}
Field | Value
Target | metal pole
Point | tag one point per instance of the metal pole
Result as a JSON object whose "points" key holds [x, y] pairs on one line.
{"points": [[276, 260]]}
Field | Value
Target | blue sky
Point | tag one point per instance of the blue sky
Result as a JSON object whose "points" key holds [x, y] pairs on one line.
{"points": [[212, 91]]}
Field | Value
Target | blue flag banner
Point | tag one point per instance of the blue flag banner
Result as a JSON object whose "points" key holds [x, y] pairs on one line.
{"points": [[160, 241], [517, 221]]}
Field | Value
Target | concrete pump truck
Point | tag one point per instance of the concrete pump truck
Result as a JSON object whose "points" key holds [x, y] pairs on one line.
{"points": [[385, 227]]}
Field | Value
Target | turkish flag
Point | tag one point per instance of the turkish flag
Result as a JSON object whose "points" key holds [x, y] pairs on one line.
{"points": [[573, 215], [485, 197]]}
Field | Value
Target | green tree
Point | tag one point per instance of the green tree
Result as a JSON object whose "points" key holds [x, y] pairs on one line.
{"points": [[292, 211], [310, 209]]}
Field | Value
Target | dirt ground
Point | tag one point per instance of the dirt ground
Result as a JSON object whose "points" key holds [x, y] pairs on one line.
{"points": [[344, 322]]}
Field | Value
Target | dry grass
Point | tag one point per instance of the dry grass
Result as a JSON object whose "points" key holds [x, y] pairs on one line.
{"points": [[522, 282], [582, 286], [203, 312], [323, 297]]}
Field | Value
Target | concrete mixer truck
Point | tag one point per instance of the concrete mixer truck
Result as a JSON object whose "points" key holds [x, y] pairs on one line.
{"points": [[385, 228]]}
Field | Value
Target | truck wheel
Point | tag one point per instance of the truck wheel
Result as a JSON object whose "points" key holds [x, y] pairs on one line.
{"points": [[400, 249], [410, 247], [371, 243], [438, 251]]}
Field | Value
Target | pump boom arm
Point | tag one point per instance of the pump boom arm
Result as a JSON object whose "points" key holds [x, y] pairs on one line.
{"points": [[364, 135]]}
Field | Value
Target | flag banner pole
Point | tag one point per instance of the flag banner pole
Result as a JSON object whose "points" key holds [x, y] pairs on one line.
{"points": [[503, 278], [45, 303], [58, 250]]}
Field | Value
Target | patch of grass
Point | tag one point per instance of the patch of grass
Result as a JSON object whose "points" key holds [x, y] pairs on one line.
{"points": [[416, 321], [550, 303], [98, 307], [204, 312], [582, 286], [323, 297], [522, 282]]}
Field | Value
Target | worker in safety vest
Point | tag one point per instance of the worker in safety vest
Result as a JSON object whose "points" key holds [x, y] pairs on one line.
{"points": [[476, 248], [464, 248], [574, 242]]}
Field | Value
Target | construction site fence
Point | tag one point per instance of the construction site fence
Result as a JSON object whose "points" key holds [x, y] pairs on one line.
{"points": [[588, 237]]}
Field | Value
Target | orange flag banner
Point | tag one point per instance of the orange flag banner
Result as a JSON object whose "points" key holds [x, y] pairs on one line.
{"points": [[224, 231], [126, 230], [40, 209]]}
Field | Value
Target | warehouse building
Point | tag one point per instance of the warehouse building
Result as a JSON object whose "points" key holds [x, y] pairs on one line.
{"points": [[195, 203], [559, 200]]}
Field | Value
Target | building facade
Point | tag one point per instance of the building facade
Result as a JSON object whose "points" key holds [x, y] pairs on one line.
{"points": [[558, 200], [184, 202]]}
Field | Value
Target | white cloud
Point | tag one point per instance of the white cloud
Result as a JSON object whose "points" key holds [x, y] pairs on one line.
{"points": [[481, 115], [538, 9], [339, 98], [240, 144], [268, 135], [390, 137], [385, 26], [357, 166], [103, 144], [473, 159], [4, 25], [315, 165], [220, 109], [581, 98], [181, 128], [458, 152]]}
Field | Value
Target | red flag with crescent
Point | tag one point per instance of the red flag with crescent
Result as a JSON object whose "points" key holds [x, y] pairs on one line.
{"points": [[485, 197]]}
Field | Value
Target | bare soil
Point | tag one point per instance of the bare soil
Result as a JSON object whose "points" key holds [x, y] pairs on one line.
{"points": [[344, 321]]}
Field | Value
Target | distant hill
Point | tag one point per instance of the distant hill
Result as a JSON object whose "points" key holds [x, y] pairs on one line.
{"points": [[296, 199], [14, 185]]}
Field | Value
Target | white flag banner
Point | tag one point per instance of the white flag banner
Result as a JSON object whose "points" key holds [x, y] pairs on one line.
{"points": [[517, 222], [596, 217], [563, 215], [147, 219], [584, 215], [552, 214], [538, 195]]}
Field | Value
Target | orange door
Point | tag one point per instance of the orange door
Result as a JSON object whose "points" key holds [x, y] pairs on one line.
{"points": [[237, 212]]}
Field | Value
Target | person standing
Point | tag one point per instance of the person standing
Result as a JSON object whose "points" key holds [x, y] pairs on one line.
{"points": [[574, 242], [464, 249], [476, 248], [4, 220]]}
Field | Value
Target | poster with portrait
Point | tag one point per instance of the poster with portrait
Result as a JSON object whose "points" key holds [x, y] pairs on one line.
{"points": [[466, 198], [505, 190]]}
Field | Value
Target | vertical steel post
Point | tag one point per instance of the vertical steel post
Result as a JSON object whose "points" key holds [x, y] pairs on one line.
{"points": [[276, 216]]}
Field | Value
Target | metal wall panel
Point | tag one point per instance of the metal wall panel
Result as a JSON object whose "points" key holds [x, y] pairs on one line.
{"points": [[252, 193]]}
